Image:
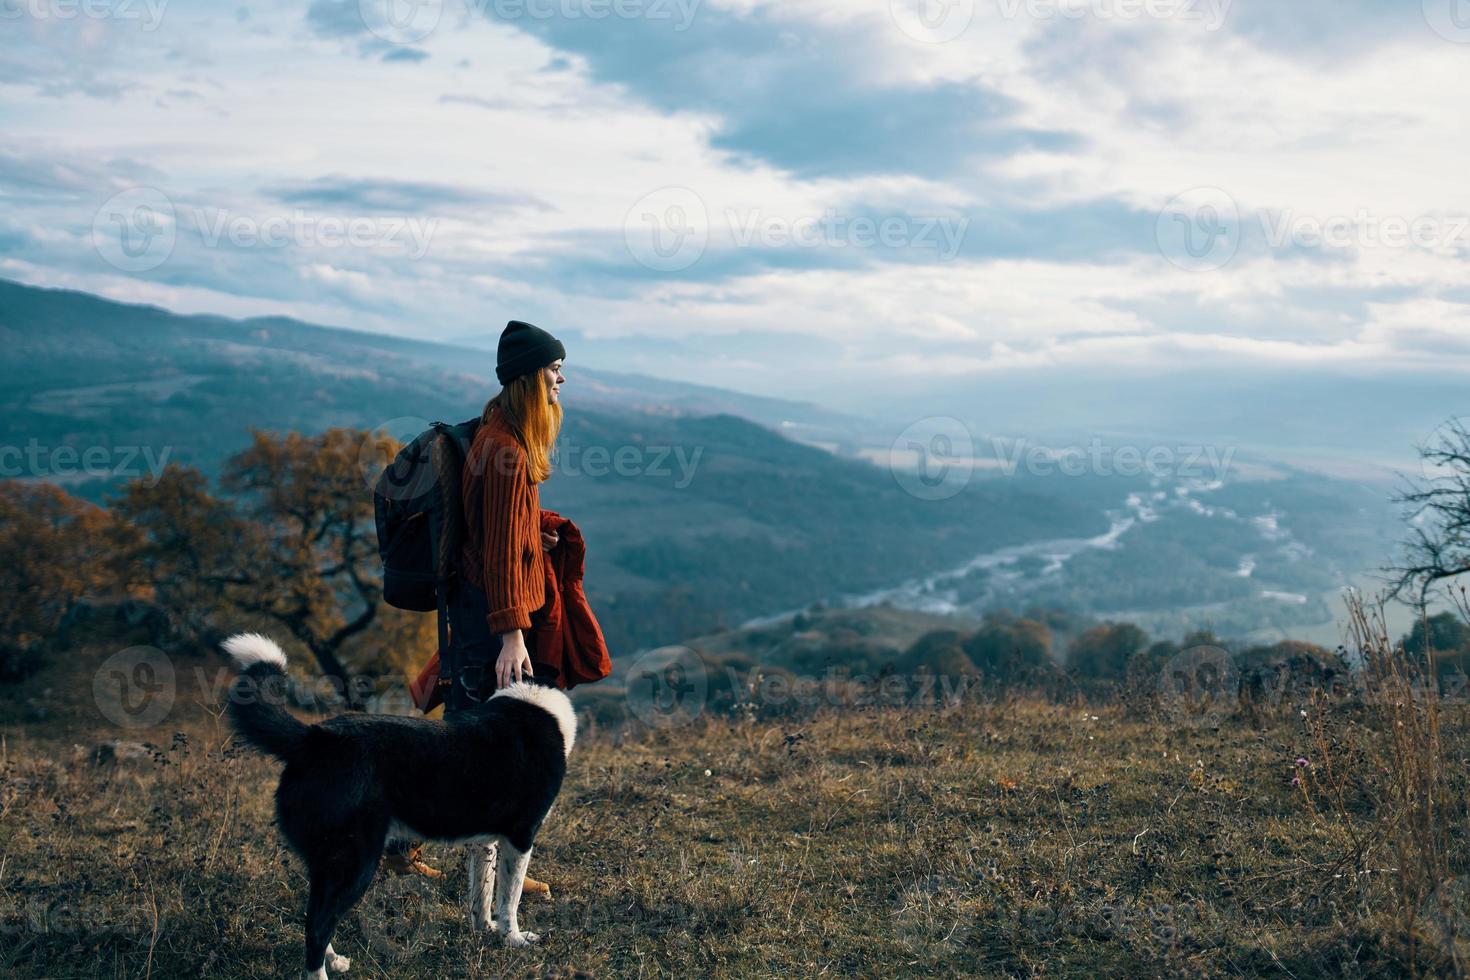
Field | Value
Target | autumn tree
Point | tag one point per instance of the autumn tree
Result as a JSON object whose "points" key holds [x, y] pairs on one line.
{"points": [[1441, 633], [1103, 652], [53, 550], [189, 549], [295, 545], [1443, 638]]}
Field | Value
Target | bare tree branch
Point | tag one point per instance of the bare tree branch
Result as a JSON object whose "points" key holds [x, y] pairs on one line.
{"points": [[1437, 510]]}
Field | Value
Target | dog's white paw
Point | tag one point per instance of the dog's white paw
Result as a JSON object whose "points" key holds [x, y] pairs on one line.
{"points": [[520, 938], [338, 964]]}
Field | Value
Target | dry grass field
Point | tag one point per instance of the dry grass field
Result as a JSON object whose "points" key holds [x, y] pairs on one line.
{"points": [[989, 838]]}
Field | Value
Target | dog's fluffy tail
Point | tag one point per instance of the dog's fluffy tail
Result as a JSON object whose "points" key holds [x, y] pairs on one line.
{"points": [[256, 696]]}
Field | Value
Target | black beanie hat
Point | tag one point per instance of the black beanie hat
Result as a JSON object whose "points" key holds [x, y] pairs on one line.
{"points": [[524, 348]]}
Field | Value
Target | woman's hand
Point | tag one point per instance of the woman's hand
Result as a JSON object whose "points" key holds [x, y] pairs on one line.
{"points": [[513, 659], [549, 540]]}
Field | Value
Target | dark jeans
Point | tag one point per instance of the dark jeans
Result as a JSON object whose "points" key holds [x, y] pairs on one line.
{"points": [[473, 650]]}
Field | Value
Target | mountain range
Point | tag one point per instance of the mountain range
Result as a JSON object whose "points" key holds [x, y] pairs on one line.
{"points": [[698, 509]]}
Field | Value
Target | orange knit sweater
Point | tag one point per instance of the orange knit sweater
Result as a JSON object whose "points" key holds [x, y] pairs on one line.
{"points": [[502, 542]]}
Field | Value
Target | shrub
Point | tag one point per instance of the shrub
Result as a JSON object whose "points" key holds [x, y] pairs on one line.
{"points": [[941, 653], [1287, 671], [1007, 649], [1446, 637], [1103, 652]]}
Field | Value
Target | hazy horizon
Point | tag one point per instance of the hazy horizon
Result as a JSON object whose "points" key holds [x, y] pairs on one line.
{"points": [[1363, 425]]}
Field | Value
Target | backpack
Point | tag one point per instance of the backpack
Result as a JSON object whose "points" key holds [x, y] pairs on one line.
{"points": [[420, 519]]}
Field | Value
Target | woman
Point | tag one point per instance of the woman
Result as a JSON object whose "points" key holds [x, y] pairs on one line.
{"points": [[500, 564], [499, 560], [501, 575]]}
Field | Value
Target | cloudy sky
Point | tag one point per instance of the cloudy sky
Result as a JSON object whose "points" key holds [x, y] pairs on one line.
{"points": [[754, 193]]}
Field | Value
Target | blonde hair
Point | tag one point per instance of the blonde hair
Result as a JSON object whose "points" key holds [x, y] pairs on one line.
{"points": [[531, 417]]}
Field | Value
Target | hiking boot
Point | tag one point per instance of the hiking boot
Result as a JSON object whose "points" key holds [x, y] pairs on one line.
{"points": [[408, 863]]}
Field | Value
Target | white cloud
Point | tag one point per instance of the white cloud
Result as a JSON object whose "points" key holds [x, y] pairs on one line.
{"points": [[1152, 108]]}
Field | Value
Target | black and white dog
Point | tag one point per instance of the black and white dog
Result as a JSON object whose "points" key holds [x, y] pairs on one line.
{"points": [[487, 776]]}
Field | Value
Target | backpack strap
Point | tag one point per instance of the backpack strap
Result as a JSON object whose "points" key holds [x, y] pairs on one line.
{"points": [[446, 524], [440, 586], [436, 541]]}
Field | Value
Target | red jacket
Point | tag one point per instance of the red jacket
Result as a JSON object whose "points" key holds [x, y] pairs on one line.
{"points": [[565, 633]]}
